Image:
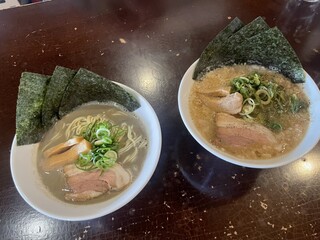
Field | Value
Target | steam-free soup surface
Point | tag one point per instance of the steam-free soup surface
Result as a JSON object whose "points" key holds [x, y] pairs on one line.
{"points": [[55, 180], [294, 126]]}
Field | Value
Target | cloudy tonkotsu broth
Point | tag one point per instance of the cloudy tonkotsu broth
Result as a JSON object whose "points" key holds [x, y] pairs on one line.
{"points": [[294, 125], [55, 180]]}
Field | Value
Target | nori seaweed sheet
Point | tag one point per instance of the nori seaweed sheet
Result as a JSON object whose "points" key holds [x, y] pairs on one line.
{"points": [[31, 94], [272, 50], [225, 54], [228, 52], [214, 45], [255, 43], [87, 86], [55, 90]]}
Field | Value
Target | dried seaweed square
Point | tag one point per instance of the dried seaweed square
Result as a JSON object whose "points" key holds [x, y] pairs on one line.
{"points": [[225, 54], [87, 86], [54, 93], [255, 43], [209, 52], [29, 107], [272, 50]]}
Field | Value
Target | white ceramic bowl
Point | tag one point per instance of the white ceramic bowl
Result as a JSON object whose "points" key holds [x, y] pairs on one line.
{"points": [[31, 188], [310, 140]]}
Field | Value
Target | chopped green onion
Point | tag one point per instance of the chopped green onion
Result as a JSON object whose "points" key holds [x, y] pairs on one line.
{"points": [[262, 95], [276, 127], [105, 139], [112, 155], [296, 104], [102, 132], [247, 107]]}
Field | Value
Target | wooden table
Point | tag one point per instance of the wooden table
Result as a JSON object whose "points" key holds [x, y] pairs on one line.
{"points": [[148, 45]]}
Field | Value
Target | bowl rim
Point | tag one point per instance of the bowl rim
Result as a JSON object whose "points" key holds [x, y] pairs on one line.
{"points": [[74, 212], [304, 147]]}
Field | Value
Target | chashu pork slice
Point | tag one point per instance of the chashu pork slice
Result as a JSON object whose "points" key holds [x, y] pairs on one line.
{"points": [[219, 92], [85, 185], [238, 132], [232, 103]]}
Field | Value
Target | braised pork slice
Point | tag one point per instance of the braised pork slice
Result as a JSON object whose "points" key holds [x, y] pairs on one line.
{"points": [[85, 185], [238, 132], [220, 92], [117, 177], [83, 196], [231, 103]]}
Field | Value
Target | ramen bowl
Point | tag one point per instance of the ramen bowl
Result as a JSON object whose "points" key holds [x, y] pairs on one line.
{"points": [[29, 184], [310, 139]]}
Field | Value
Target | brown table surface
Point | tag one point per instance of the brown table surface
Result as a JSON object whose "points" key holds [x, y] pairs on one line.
{"points": [[192, 194]]}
